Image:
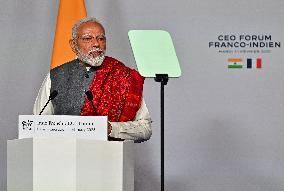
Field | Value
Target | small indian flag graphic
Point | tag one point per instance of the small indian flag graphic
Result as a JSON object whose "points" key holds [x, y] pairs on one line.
{"points": [[235, 63]]}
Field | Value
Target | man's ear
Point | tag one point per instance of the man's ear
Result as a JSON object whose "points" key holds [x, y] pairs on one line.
{"points": [[72, 44]]}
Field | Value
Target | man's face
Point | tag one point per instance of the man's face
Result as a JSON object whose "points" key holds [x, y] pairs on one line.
{"points": [[90, 43]]}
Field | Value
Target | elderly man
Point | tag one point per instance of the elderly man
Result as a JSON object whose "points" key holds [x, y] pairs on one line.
{"points": [[116, 89]]}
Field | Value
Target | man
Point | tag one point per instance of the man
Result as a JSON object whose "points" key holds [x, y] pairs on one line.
{"points": [[116, 89]]}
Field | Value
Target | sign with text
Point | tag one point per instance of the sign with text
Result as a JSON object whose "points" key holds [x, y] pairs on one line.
{"points": [[89, 127]]}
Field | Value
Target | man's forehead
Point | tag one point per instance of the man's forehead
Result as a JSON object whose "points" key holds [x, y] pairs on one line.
{"points": [[89, 27]]}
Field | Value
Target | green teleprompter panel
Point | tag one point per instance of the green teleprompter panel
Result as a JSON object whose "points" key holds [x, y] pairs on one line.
{"points": [[154, 53]]}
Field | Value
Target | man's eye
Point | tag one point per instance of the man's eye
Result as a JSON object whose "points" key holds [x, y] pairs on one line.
{"points": [[101, 39], [87, 38]]}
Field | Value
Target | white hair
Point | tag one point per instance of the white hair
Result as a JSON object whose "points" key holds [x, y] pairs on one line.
{"points": [[82, 21]]}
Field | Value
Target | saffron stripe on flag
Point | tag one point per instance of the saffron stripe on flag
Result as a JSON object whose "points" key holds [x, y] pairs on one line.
{"points": [[69, 12], [235, 60]]}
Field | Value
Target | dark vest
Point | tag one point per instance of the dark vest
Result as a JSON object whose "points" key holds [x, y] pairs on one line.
{"points": [[71, 80]]}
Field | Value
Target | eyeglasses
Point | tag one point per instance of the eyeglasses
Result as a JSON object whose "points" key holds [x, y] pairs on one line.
{"points": [[89, 38]]}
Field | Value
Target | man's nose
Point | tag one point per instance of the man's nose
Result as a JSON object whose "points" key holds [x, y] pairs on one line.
{"points": [[95, 42]]}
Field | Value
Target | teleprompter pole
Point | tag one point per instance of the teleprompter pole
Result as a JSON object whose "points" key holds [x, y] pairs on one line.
{"points": [[163, 78]]}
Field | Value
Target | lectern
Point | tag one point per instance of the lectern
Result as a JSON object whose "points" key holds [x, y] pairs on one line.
{"points": [[69, 164]]}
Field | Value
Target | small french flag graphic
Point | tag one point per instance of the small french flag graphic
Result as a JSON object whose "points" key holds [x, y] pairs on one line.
{"points": [[254, 63]]}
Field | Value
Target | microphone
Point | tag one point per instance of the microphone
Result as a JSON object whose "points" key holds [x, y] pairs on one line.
{"points": [[90, 98], [89, 95], [53, 94]]}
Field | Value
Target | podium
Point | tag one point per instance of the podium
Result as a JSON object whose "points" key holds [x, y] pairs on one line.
{"points": [[69, 164]]}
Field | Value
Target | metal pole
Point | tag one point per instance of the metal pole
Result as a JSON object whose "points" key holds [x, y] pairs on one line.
{"points": [[162, 138], [163, 78]]}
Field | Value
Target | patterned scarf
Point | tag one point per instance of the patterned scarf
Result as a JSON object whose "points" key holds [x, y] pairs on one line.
{"points": [[117, 92]]}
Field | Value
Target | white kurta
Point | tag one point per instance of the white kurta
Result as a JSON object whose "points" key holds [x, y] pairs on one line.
{"points": [[139, 129]]}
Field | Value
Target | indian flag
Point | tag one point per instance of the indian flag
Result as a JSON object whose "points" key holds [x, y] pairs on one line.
{"points": [[69, 11], [235, 63]]}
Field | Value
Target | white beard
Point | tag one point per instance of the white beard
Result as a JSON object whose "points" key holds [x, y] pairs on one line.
{"points": [[89, 59]]}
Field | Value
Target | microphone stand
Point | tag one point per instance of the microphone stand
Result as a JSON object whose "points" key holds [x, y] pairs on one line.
{"points": [[163, 78], [53, 94], [45, 106]]}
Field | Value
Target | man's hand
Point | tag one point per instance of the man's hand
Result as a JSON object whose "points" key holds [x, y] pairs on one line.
{"points": [[109, 128]]}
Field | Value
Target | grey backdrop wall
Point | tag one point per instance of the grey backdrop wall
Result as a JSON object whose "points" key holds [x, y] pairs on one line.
{"points": [[224, 128]]}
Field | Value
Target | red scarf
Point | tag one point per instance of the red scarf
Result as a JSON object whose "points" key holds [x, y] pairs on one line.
{"points": [[117, 92]]}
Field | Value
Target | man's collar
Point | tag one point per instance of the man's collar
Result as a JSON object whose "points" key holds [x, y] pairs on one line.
{"points": [[88, 67]]}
